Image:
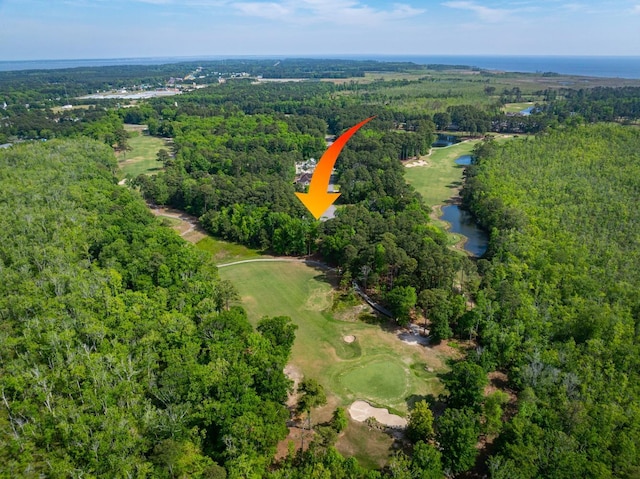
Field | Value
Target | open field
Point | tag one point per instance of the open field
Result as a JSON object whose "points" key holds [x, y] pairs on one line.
{"points": [[59, 109], [141, 159], [377, 366]]}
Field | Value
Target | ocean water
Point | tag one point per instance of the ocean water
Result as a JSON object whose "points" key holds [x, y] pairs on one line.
{"points": [[610, 67], [613, 67]]}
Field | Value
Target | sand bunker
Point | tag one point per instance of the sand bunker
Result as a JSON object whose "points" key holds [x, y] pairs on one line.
{"points": [[361, 411], [349, 339], [417, 163]]}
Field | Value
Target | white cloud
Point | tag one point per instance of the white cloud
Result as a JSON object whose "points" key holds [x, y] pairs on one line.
{"points": [[269, 10], [636, 9], [306, 11], [187, 3], [573, 7], [486, 14], [335, 11]]}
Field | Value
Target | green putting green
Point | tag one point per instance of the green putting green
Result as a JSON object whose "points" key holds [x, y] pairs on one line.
{"points": [[381, 381]]}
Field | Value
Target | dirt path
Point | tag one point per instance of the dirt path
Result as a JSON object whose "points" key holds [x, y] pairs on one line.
{"points": [[189, 228]]}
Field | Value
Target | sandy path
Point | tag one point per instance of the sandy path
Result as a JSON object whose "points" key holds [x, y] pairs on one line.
{"points": [[190, 230]]}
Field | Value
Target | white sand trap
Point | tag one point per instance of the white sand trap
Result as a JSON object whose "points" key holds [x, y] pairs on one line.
{"points": [[349, 339], [417, 163], [361, 411]]}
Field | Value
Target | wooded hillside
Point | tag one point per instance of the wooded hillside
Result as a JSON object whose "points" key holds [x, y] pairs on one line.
{"points": [[118, 356], [559, 307]]}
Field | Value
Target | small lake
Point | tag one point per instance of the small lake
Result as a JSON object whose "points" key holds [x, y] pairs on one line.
{"points": [[462, 223], [527, 111], [445, 140], [464, 160]]}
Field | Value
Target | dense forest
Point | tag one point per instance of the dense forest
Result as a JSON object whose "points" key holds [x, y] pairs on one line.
{"points": [[119, 355], [558, 306], [124, 354]]}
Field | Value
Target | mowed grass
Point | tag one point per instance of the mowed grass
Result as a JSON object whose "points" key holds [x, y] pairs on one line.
{"points": [[226, 252], [347, 371], [379, 380], [517, 107], [141, 159], [439, 181]]}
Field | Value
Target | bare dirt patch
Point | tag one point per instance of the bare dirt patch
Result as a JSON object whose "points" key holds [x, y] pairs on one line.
{"points": [[295, 374], [498, 381], [361, 411], [349, 339], [297, 437], [448, 351]]}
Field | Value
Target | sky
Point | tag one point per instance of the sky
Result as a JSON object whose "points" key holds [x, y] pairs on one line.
{"points": [[78, 29]]}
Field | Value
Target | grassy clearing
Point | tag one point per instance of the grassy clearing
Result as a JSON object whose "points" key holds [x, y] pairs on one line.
{"points": [[370, 447], [348, 371], [59, 109], [379, 379], [517, 107], [141, 159], [225, 252]]}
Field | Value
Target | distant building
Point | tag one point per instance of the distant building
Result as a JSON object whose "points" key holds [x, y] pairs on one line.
{"points": [[304, 179]]}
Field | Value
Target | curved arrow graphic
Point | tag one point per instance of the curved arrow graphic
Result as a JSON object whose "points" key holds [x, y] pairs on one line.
{"points": [[317, 200]]}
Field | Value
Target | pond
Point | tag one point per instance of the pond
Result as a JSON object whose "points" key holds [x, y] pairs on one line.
{"points": [[445, 140], [527, 111], [464, 160], [462, 223]]}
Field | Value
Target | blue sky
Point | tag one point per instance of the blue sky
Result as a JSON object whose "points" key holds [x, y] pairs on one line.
{"points": [[52, 29]]}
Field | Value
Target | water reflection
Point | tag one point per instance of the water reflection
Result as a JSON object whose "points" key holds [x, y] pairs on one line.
{"points": [[464, 160], [462, 223]]}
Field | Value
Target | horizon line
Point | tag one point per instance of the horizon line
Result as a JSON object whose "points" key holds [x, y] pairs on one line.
{"points": [[328, 56]]}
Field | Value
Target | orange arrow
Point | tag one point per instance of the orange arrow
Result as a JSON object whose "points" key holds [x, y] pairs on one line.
{"points": [[318, 199]]}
